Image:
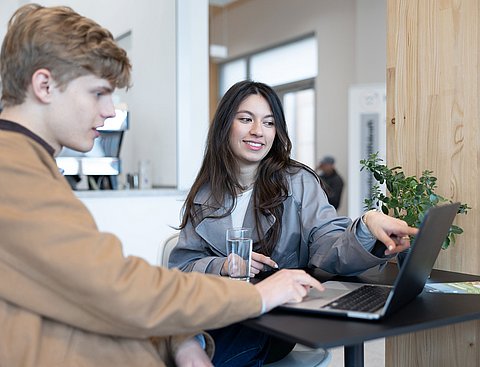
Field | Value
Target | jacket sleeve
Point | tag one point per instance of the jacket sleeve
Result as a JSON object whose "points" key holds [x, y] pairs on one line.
{"points": [[331, 239], [55, 262], [193, 253]]}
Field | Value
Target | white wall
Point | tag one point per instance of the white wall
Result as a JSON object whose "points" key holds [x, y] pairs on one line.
{"points": [[192, 88], [371, 41], [7, 7], [351, 49], [142, 220]]}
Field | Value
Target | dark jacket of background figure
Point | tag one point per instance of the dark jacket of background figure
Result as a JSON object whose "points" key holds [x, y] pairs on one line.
{"points": [[333, 187]]}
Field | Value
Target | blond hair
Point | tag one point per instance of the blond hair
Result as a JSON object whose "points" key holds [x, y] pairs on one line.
{"points": [[62, 41]]}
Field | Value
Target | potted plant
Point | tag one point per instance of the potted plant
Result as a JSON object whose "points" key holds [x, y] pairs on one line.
{"points": [[408, 197]]}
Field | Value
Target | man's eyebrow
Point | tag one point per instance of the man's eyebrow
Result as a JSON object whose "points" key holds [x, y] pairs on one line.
{"points": [[107, 89], [104, 89]]}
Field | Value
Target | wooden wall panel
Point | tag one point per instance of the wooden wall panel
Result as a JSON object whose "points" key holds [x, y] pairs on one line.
{"points": [[433, 104], [437, 348]]}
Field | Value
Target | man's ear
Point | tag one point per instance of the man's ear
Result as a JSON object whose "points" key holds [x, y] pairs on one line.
{"points": [[42, 85]]}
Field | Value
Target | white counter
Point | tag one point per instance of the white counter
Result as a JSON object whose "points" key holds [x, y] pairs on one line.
{"points": [[142, 219]]}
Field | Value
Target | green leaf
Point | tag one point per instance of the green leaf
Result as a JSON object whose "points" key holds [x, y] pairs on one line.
{"points": [[408, 198], [378, 177], [446, 243], [434, 199], [456, 229], [384, 209]]}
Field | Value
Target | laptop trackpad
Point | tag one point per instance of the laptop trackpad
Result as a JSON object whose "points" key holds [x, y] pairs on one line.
{"points": [[333, 290]]}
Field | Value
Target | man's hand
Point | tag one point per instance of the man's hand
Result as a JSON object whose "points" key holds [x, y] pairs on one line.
{"points": [[393, 232], [286, 286], [191, 354]]}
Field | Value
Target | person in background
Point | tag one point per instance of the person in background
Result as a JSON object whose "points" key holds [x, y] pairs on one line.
{"points": [[332, 180], [68, 296], [247, 179]]}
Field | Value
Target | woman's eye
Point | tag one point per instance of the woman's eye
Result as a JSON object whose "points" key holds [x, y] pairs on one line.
{"points": [[245, 119], [269, 123]]}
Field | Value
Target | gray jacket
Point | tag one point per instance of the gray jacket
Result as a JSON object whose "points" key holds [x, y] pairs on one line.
{"points": [[312, 234]]}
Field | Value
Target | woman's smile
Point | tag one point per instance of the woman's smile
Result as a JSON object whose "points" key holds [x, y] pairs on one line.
{"points": [[253, 145]]}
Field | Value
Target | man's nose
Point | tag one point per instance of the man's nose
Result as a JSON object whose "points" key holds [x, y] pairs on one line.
{"points": [[108, 109]]}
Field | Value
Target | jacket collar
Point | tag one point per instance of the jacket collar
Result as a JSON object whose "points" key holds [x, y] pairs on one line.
{"points": [[213, 229], [15, 127], [204, 197]]}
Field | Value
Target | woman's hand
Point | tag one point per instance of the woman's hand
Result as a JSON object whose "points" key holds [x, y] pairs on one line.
{"points": [[258, 263], [393, 232]]}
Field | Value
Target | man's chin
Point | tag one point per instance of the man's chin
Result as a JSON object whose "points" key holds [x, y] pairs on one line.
{"points": [[82, 149]]}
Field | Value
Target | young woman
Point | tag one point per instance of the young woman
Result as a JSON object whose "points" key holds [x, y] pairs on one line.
{"points": [[248, 179]]}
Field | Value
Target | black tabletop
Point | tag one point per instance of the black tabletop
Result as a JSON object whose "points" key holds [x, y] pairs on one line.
{"points": [[428, 310]]}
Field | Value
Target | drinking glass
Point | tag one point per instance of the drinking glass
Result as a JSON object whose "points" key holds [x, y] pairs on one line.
{"points": [[239, 253]]}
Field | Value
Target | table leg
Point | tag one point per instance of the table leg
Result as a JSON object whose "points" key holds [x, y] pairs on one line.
{"points": [[353, 355]]}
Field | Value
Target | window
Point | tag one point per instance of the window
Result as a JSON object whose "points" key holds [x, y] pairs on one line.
{"points": [[276, 66], [290, 69], [286, 64], [232, 72], [300, 116]]}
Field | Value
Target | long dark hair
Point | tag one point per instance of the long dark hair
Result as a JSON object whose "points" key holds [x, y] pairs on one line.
{"points": [[220, 170]]}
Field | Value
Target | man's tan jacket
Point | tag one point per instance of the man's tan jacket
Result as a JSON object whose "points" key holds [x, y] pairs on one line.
{"points": [[68, 296]]}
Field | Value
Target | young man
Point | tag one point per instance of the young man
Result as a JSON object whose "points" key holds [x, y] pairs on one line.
{"points": [[68, 297]]}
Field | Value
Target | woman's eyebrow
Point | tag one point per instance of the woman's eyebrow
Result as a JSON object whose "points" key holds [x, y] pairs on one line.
{"points": [[252, 114], [245, 111]]}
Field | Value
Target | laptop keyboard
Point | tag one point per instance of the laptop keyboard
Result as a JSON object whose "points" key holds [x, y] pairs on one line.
{"points": [[368, 298]]}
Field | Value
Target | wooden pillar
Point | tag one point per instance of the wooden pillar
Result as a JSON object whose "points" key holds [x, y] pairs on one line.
{"points": [[433, 56]]}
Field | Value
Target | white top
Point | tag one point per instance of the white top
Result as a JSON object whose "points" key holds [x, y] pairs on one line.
{"points": [[238, 213]]}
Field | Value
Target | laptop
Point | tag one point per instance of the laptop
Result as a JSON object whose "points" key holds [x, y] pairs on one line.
{"points": [[353, 299]]}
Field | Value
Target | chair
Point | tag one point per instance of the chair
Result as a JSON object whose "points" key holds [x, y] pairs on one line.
{"points": [[166, 248], [300, 356]]}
